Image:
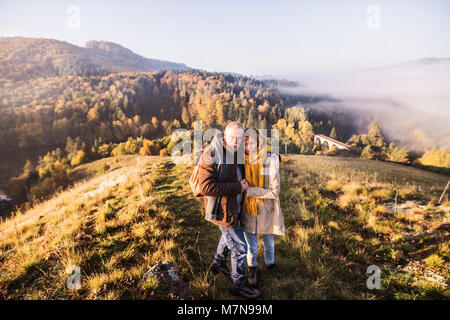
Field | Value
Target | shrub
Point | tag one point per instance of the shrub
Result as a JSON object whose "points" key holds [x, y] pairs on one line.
{"points": [[78, 159], [163, 152], [103, 168]]}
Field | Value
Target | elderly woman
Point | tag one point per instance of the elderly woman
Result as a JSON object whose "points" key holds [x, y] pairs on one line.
{"points": [[261, 210]]}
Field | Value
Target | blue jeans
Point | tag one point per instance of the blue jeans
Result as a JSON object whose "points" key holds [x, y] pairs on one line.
{"points": [[269, 248], [233, 238]]}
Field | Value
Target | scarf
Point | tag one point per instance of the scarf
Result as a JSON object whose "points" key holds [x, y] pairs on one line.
{"points": [[255, 178]]}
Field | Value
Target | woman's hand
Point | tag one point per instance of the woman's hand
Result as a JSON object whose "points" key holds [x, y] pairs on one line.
{"points": [[244, 185]]}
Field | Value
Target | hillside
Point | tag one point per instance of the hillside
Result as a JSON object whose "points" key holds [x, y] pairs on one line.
{"points": [[51, 91], [22, 59], [123, 59], [127, 213], [44, 112]]}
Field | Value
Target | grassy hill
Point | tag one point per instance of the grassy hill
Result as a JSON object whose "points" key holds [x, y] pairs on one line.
{"points": [[128, 213]]}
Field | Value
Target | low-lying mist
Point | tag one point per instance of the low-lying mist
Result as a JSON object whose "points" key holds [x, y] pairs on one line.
{"points": [[410, 96]]}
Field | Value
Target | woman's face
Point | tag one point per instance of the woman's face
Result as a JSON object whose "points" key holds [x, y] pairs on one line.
{"points": [[251, 145]]}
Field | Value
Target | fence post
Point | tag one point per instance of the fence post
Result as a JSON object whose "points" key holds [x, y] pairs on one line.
{"points": [[443, 193]]}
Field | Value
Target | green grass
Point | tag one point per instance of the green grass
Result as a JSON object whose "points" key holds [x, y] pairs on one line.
{"points": [[341, 216]]}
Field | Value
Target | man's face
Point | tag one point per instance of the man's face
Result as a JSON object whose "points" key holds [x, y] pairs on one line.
{"points": [[233, 137]]}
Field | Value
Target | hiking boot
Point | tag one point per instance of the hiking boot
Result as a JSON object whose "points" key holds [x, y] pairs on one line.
{"points": [[272, 270], [244, 290], [251, 279], [220, 268]]}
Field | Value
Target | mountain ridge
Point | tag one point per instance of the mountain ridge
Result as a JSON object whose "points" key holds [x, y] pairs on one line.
{"points": [[23, 58], [117, 52]]}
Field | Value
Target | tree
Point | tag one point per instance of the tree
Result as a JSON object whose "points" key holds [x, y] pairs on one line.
{"points": [[436, 158], [396, 154], [155, 123], [28, 169], [367, 153], [275, 114], [263, 123], [145, 150], [125, 103], [375, 135], [306, 135], [374, 129], [333, 134], [296, 114], [119, 150], [185, 116], [93, 114], [70, 145], [165, 127], [78, 159], [251, 120]]}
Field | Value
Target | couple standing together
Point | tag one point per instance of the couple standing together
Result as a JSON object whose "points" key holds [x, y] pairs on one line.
{"points": [[241, 196]]}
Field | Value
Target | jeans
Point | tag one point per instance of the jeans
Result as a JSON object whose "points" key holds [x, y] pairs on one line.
{"points": [[233, 239], [269, 248]]}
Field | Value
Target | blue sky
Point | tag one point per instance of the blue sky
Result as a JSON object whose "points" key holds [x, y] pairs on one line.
{"points": [[251, 37]]}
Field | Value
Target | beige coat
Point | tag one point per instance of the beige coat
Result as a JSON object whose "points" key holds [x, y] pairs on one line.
{"points": [[269, 219]]}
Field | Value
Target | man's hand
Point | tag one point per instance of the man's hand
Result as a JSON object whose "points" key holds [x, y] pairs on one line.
{"points": [[244, 185]]}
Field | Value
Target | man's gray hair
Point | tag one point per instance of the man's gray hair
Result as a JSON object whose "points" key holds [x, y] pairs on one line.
{"points": [[234, 124]]}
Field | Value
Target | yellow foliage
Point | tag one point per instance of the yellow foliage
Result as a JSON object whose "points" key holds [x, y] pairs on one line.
{"points": [[436, 158], [78, 159], [163, 152]]}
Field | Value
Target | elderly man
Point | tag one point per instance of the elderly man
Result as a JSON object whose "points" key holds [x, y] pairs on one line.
{"points": [[222, 183]]}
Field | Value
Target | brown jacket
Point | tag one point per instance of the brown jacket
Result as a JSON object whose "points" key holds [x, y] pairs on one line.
{"points": [[219, 183]]}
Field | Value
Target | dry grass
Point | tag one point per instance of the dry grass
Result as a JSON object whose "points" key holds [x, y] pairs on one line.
{"points": [[345, 220], [341, 214]]}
